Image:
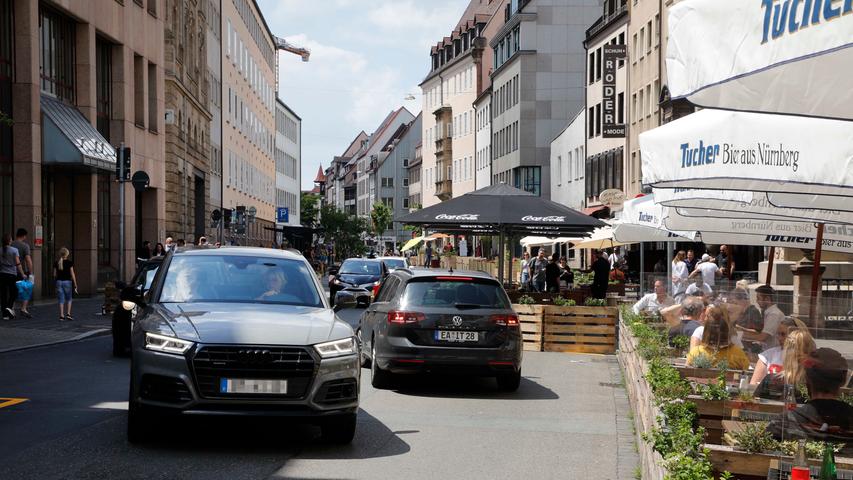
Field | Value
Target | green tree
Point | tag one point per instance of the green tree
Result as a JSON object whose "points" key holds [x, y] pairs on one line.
{"points": [[380, 218], [308, 213], [343, 231]]}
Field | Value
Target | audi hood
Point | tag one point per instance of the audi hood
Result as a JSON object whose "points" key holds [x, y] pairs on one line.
{"points": [[246, 323]]}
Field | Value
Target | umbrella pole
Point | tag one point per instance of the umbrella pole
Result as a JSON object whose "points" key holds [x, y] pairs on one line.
{"points": [[501, 247], [642, 268], [770, 256], [669, 247], [509, 267], [816, 276]]}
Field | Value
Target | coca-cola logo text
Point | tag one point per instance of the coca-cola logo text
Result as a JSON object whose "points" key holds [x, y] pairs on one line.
{"points": [[464, 216], [551, 218]]}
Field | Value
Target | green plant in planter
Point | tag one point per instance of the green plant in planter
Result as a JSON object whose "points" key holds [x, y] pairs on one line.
{"points": [[595, 302], [847, 398], [680, 342], [563, 302], [813, 449], [702, 361], [582, 278], [715, 390], [746, 396], [755, 438], [526, 300]]}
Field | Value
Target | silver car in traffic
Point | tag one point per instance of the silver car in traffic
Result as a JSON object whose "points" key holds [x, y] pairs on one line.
{"points": [[244, 331]]}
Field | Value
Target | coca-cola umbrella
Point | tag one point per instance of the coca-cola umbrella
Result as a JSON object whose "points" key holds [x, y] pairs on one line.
{"points": [[503, 210]]}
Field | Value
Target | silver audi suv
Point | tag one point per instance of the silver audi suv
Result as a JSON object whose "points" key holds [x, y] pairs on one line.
{"points": [[245, 331]]}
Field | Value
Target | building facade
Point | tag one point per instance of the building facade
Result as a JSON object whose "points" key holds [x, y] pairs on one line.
{"points": [[248, 137], [537, 83], [414, 174], [393, 177], [605, 146], [288, 163], [568, 154], [78, 79], [367, 160], [483, 140], [214, 106], [187, 84], [449, 90], [333, 192]]}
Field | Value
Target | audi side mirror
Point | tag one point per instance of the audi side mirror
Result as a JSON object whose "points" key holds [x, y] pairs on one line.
{"points": [[343, 300]]}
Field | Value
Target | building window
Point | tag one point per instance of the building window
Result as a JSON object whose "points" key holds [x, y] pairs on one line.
{"points": [[405, 182], [405, 203], [153, 116], [103, 79], [152, 7], [650, 99], [591, 122], [649, 37], [598, 67], [559, 170], [529, 179], [598, 120], [57, 34], [620, 108], [657, 30], [634, 50], [139, 90]]}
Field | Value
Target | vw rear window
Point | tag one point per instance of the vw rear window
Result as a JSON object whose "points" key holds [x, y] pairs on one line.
{"points": [[449, 293]]}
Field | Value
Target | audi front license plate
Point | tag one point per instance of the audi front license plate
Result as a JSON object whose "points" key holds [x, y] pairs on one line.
{"points": [[456, 336], [251, 385]]}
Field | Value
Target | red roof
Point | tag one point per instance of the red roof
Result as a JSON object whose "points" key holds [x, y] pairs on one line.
{"points": [[321, 177]]}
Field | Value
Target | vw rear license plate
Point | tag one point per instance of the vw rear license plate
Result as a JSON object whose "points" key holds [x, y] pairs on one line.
{"points": [[455, 336], [250, 385]]}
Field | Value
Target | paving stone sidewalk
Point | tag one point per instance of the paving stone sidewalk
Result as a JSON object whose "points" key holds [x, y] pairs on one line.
{"points": [[46, 329]]}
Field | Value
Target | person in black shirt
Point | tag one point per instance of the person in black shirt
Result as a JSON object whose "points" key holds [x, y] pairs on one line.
{"points": [[691, 261], [552, 274], [601, 269], [824, 417]]}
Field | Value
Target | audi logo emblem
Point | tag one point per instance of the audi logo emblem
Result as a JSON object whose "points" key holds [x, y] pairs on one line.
{"points": [[255, 357], [457, 321]]}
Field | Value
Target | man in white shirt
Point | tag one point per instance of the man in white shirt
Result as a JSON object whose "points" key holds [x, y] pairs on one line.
{"points": [[708, 270], [653, 302], [616, 258], [773, 316], [463, 248]]}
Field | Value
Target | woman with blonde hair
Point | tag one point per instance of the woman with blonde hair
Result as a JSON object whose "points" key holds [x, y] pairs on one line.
{"points": [[66, 281], [679, 275], [798, 345], [717, 342]]}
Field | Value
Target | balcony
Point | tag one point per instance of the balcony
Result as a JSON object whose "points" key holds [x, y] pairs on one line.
{"points": [[444, 189], [443, 146]]}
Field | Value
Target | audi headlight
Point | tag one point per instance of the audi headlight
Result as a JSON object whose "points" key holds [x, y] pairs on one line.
{"points": [[337, 348], [162, 343]]}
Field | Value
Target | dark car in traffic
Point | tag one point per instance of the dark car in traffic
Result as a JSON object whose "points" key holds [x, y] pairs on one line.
{"points": [[425, 320], [361, 277], [241, 331], [123, 318]]}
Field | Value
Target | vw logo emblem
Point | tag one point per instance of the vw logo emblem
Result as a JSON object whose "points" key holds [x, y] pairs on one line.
{"points": [[457, 321], [255, 357]]}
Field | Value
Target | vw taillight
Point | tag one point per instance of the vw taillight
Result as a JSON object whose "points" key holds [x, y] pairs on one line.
{"points": [[504, 320], [399, 317]]}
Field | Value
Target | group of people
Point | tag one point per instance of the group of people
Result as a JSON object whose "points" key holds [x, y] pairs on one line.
{"points": [[160, 249], [542, 274], [17, 277], [727, 330], [692, 273]]}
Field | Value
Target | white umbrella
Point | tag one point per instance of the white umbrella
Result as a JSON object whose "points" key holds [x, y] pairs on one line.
{"points": [[532, 241], [763, 55], [600, 238], [642, 220], [751, 152]]}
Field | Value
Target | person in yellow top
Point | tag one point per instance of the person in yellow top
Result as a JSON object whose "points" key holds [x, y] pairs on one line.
{"points": [[716, 342]]}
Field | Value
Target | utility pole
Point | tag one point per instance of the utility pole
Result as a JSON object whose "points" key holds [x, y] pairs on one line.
{"points": [[122, 176]]}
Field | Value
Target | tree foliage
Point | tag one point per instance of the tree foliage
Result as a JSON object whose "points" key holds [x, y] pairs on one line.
{"points": [[343, 231], [380, 218], [308, 213]]}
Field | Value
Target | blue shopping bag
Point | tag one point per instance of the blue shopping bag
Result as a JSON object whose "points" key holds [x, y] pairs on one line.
{"points": [[25, 290]]}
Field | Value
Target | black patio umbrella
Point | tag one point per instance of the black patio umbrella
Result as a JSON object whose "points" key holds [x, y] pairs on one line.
{"points": [[503, 210]]}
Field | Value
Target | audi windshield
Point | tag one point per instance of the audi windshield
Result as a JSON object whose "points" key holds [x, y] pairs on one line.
{"points": [[239, 279]]}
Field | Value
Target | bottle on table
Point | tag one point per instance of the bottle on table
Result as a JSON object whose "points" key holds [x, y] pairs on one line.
{"points": [[800, 470], [827, 467]]}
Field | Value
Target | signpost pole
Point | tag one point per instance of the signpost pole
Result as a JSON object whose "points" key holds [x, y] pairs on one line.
{"points": [[121, 207]]}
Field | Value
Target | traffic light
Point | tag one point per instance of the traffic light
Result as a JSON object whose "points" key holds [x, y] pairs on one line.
{"points": [[226, 218], [123, 164]]}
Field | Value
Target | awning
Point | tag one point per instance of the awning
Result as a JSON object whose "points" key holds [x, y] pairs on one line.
{"points": [[642, 220], [763, 56], [69, 139]]}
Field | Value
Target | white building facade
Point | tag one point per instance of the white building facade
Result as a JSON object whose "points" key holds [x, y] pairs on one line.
{"points": [[567, 164], [483, 140], [288, 163]]}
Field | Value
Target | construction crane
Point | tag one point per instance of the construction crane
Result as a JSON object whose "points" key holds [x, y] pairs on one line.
{"points": [[282, 44]]}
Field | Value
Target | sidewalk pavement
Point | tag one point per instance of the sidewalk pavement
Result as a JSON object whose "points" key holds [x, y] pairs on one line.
{"points": [[46, 329]]}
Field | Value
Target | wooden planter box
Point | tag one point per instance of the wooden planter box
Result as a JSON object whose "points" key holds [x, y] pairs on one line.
{"points": [[575, 329], [742, 464], [580, 329]]}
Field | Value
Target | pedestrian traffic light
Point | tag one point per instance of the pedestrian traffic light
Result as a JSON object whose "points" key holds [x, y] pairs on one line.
{"points": [[123, 164], [226, 218]]}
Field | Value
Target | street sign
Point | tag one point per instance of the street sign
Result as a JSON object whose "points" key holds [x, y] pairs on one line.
{"points": [[612, 128], [612, 197], [140, 181], [282, 215]]}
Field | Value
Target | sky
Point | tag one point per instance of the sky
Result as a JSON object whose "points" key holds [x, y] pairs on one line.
{"points": [[366, 57]]}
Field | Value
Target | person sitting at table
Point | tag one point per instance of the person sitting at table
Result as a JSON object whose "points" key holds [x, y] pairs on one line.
{"points": [[717, 343], [698, 288], [773, 316], [653, 302], [824, 417], [749, 316], [797, 347], [771, 360], [689, 317]]}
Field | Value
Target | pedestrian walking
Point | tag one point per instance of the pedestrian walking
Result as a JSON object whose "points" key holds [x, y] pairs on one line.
{"points": [[679, 276], [463, 247], [601, 271], [428, 255], [169, 244], [26, 258], [525, 270], [10, 270], [552, 274], [537, 270], [159, 250], [66, 282]]}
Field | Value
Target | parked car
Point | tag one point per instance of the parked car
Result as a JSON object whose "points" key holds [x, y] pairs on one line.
{"points": [[455, 322], [393, 263], [241, 331], [122, 319], [359, 276]]}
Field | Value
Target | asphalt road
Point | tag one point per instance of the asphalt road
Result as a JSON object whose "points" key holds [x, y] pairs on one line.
{"points": [[562, 424]]}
